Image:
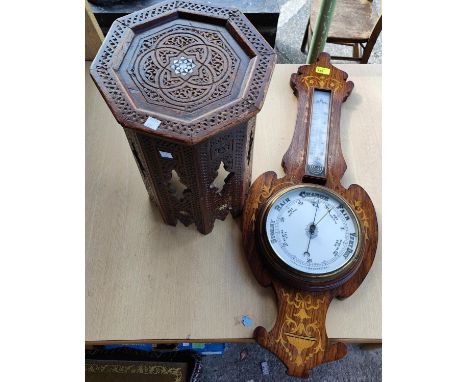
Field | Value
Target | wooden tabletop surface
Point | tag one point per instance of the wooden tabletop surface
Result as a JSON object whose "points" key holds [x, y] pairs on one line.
{"points": [[146, 281]]}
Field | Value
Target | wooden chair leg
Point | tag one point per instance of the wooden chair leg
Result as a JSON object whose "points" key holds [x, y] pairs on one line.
{"points": [[372, 40], [93, 34], [356, 50], [305, 39]]}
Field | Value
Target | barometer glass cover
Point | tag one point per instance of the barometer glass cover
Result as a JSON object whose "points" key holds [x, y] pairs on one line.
{"points": [[312, 230]]}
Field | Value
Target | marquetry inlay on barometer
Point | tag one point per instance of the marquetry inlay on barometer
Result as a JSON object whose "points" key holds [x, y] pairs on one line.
{"points": [[304, 234]]}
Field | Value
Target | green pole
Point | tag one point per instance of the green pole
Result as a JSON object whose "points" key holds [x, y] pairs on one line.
{"points": [[322, 24]]}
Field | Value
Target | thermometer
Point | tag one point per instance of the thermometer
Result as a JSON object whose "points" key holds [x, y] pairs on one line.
{"points": [[316, 163]]}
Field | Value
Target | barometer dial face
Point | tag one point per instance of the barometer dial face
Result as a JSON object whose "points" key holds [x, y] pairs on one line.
{"points": [[311, 230]]}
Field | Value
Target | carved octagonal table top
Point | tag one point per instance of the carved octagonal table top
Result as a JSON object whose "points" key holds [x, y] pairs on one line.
{"points": [[198, 69]]}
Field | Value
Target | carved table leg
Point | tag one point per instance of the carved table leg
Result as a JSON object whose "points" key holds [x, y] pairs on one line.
{"points": [[299, 337]]}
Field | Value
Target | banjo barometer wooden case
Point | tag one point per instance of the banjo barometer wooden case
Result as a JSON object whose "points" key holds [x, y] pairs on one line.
{"points": [[304, 234], [186, 80]]}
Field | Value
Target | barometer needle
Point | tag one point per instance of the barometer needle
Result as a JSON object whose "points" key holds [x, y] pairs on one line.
{"points": [[312, 229], [316, 209], [328, 211], [307, 250]]}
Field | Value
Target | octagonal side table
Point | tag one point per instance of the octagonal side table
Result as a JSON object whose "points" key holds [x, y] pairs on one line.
{"points": [[186, 80]]}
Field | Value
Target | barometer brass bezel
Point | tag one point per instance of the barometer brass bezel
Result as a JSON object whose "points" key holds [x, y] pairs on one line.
{"points": [[288, 273]]}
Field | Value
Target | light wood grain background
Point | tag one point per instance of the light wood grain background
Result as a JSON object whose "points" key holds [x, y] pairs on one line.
{"points": [[149, 281]]}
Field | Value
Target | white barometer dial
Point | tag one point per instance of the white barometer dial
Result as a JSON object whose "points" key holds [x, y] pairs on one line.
{"points": [[311, 230]]}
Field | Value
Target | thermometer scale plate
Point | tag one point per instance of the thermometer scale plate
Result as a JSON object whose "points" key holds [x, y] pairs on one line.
{"points": [[318, 134]]}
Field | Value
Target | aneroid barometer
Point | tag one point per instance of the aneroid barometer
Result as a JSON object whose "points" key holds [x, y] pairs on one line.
{"points": [[305, 234]]}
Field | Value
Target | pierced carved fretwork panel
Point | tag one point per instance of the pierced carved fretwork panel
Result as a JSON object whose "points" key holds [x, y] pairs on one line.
{"points": [[196, 184], [176, 187], [185, 68], [221, 179]]}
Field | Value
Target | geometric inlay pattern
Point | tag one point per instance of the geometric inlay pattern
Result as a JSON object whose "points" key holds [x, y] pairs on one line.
{"points": [[164, 70], [183, 66]]}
